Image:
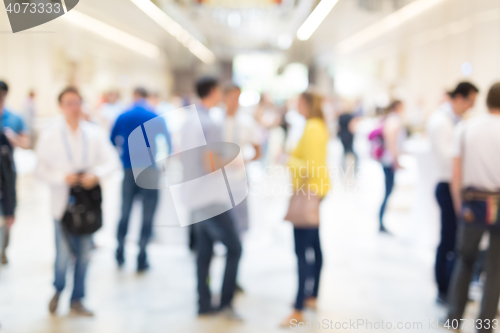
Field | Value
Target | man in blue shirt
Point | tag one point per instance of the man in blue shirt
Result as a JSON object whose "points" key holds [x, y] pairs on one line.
{"points": [[139, 113], [14, 129]]}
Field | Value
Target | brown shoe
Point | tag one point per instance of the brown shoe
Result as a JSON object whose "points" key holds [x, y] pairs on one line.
{"points": [[4, 259], [54, 302], [295, 318], [78, 309], [311, 303]]}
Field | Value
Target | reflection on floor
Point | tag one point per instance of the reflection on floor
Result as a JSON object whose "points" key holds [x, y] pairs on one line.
{"points": [[366, 275]]}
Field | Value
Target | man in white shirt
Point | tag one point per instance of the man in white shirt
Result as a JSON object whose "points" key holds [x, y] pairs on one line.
{"points": [[73, 152], [440, 129], [476, 152]]}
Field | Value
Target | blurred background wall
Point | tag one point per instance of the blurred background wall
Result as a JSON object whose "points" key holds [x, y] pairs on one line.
{"points": [[418, 59]]}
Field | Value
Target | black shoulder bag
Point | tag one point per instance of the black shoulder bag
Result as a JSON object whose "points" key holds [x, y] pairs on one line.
{"points": [[83, 215]]}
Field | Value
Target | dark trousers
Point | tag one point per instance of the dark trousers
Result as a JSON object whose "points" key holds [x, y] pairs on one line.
{"points": [[149, 202], [6, 238], [389, 173], [219, 228], [307, 239], [445, 256], [468, 239]]}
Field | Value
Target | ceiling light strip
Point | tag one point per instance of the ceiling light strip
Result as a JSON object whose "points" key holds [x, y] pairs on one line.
{"points": [[385, 25], [113, 34], [315, 18], [176, 30]]}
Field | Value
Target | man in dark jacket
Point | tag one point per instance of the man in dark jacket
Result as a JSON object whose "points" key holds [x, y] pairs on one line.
{"points": [[7, 177]]}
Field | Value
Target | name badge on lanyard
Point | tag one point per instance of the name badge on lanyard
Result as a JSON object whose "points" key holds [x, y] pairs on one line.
{"points": [[69, 153]]}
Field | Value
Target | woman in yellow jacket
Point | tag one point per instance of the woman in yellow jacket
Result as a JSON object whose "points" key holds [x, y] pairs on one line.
{"points": [[309, 173]]}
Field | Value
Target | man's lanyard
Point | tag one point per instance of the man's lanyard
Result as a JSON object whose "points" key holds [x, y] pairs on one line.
{"points": [[69, 154]]}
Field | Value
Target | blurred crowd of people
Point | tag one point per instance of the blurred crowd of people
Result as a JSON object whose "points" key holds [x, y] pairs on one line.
{"points": [[76, 154]]}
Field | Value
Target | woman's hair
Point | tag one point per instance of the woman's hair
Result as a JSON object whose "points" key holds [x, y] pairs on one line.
{"points": [[315, 103], [393, 106], [493, 99]]}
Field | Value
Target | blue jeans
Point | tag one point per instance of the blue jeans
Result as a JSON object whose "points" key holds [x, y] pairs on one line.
{"points": [[445, 255], [307, 239], [71, 247], [219, 228], [149, 202], [389, 173]]}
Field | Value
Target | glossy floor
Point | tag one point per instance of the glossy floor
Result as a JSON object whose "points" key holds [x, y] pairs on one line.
{"points": [[366, 276]]}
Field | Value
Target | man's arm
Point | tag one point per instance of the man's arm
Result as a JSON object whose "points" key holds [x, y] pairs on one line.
{"points": [[115, 131], [456, 184], [457, 152], [21, 140]]}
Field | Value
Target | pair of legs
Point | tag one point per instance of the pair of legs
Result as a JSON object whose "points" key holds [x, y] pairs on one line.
{"points": [[68, 248], [445, 256], [130, 191], [219, 228], [389, 173], [306, 239], [468, 239]]}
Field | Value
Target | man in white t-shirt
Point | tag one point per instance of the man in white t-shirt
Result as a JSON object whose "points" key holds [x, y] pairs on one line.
{"points": [[440, 129], [476, 164]]}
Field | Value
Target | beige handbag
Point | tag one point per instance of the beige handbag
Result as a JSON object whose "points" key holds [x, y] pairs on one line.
{"points": [[303, 211]]}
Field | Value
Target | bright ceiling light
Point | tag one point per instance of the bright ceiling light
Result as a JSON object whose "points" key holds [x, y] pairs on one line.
{"points": [[387, 24], [176, 30], [314, 20], [111, 33]]}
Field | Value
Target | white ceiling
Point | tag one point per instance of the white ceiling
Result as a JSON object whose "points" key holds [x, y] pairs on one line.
{"points": [[230, 27]]}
